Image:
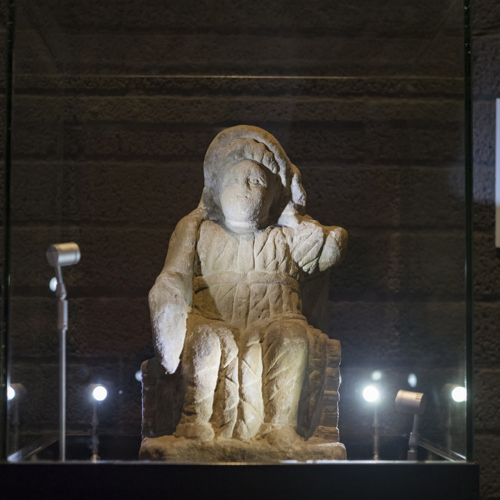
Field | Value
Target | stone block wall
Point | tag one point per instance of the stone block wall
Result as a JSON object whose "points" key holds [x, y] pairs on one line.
{"points": [[131, 167], [486, 88], [109, 151]]}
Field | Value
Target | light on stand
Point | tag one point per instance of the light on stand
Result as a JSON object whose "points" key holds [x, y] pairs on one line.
{"points": [[98, 393], [413, 403], [15, 392], [11, 393], [459, 394], [58, 256], [372, 395], [455, 396]]}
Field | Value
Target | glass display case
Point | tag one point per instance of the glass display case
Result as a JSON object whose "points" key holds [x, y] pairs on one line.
{"points": [[113, 107]]}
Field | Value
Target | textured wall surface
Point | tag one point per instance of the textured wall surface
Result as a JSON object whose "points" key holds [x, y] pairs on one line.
{"points": [[486, 72], [3, 53], [108, 152]]}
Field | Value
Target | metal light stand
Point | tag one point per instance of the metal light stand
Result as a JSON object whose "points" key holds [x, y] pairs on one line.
{"points": [[414, 439], [413, 403], [94, 436], [63, 254], [15, 424], [62, 327], [375, 433], [19, 393]]}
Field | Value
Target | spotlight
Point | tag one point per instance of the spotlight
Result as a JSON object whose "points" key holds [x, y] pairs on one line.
{"points": [[138, 375], [415, 404], [371, 394], [99, 392], [376, 375], [15, 391], [11, 393], [411, 402], [58, 256], [53, 284], [63, 254], [459, 394], [412, 380]]}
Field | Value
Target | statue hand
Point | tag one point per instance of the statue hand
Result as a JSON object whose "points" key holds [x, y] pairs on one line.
{"points": [[290, 217]]}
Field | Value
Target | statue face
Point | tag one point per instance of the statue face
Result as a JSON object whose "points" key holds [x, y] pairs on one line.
{"points": [[247, 194]]}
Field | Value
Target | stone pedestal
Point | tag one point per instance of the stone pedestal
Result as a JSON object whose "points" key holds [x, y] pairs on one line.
{"points": [[181, 450]]}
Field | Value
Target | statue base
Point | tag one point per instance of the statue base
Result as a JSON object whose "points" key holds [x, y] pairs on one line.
{"points": [[181, 450]]}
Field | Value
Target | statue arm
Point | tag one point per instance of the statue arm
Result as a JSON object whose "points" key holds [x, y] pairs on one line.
{"points": [[335, 247], [315, 247], [171, 296]]}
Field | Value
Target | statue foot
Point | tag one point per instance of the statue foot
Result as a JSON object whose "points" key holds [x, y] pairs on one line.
{"points": [[280, 436], [201, 432], [244, 432]]}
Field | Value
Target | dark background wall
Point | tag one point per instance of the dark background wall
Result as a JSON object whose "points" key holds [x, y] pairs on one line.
{"points": [[107, 152], [486, 59]]}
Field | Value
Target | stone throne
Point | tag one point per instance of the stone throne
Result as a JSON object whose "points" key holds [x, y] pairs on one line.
{"points": [[163, 395]]}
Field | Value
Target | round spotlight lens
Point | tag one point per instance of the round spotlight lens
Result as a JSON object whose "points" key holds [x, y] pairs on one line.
{"points": [[138, 376], [53, 284], [99, 393], [371, 394], [11, 393], [376, 375], [412, 380], [459, 394]]}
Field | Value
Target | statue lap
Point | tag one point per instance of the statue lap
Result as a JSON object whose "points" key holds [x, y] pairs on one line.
{"points": [[317, 418]]}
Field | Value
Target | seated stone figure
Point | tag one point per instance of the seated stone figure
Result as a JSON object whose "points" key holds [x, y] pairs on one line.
{"points": [[227, 315]]}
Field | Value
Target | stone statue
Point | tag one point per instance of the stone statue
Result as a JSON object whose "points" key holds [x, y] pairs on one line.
{"points": [[247, 375]]}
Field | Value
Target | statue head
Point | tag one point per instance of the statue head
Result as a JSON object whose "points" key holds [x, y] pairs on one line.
{"points": [[249, 180], [246, 195]]}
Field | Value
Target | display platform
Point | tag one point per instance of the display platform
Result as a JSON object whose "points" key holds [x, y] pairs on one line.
{"points": [[348, 480]]}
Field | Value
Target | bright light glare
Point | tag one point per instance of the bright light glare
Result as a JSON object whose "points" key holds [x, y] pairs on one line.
{"points": [[376, 375], [53, 284], [371, 394], [138, 376], [11, 393], [459, 394], [99, 393], [412, 380]]}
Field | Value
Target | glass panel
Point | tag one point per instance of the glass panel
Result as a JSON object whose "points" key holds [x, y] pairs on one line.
{"points": [[115, 105]]}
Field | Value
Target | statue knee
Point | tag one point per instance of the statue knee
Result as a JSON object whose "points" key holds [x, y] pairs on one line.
{"points": [[201, 343], [288, 332], [210, 340]]}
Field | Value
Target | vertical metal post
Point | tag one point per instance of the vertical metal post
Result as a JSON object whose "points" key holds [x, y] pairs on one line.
{"points": [[95, 438], [15, 424], [62, 327], [375, 433], [62, 254], [414, 439]]}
